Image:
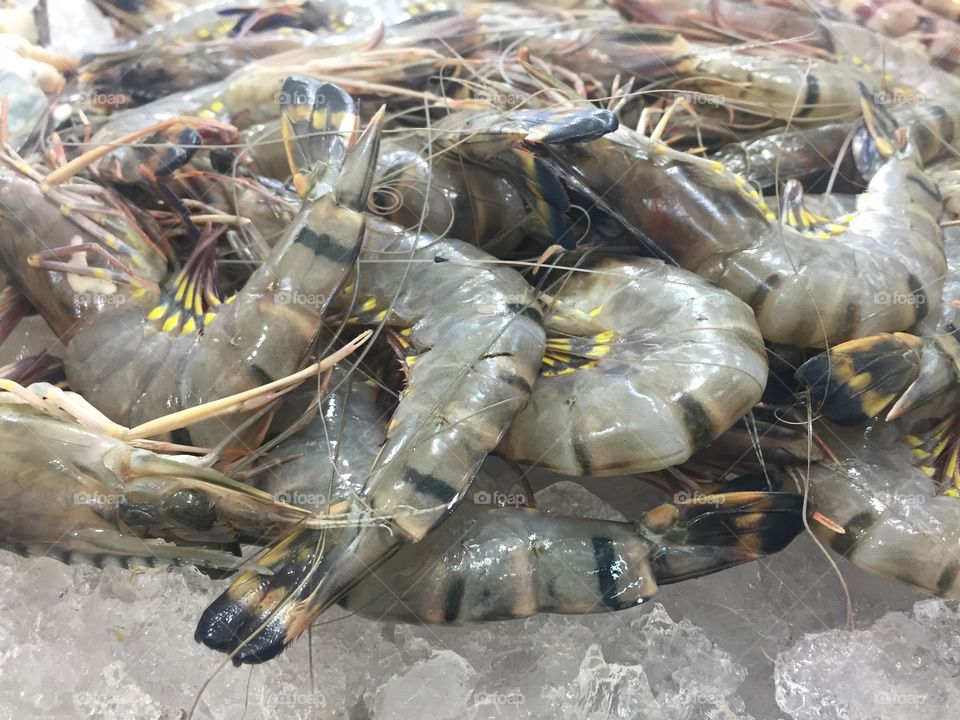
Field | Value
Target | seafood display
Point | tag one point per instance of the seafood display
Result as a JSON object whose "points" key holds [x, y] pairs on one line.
{"points": [[307, 265]]}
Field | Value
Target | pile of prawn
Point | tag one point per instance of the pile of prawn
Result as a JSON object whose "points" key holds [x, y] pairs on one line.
{"points": [[309, 264]]}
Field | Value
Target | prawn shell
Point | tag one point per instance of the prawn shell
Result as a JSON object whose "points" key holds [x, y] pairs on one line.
{"points": [[677, 363]]}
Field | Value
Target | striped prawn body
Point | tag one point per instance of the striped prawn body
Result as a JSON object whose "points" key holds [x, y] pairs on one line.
{"points": [[487, 563], [475, 340], [646, 364]]}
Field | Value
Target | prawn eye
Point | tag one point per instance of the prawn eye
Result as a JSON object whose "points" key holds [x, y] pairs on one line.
{"points": [[223, 160], [192, 508], [136, 514]]}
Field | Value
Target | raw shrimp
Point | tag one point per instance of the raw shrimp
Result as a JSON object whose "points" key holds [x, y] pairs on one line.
{"points": [[795, 153], [646, 364], [892, 374], [328, 460], [900, 74], [805, 291], [150, 353], [802, 90], [486, 564], [753, 19], [449, 197], [211, 40], [910, 24], [475, 340], [75, 284], [479, 185], [249, 95], [479, 179], [83, 494], [891, 522], [799, 152]]}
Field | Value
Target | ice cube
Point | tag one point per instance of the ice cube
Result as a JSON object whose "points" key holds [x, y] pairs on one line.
{"points": [[902, 667], [78, 27], [438, 687]]}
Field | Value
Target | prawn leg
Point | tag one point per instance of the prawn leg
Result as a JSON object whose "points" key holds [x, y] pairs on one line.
{"points": [[102, 547]]}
